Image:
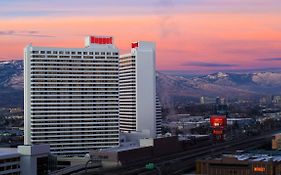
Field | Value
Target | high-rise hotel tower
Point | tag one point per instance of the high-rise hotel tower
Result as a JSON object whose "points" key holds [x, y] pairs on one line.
{"points": [[71, 97], [140, 109]]}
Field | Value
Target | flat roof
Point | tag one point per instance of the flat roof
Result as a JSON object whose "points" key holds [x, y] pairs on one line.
{"points": [[122, 148], [8, 152], [252, 156]]}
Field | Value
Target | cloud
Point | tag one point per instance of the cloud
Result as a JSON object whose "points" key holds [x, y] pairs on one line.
{"points": [[269, 59], [204, 72], [167, 27], [208, 64], [167, 22], [35, 8], [166, 3], [31, 33]]}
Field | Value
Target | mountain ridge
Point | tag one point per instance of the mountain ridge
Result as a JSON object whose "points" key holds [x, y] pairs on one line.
{"points": [[171, 89]]}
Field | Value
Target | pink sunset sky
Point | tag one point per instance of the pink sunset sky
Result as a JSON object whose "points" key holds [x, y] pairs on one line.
{"points": [[191, 35]]}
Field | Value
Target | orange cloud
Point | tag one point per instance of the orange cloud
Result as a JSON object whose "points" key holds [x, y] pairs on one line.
{"points": [[222, 38]]}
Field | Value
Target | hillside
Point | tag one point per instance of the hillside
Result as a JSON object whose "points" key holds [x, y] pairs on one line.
{"points": [[11, 83], [172, 89]]}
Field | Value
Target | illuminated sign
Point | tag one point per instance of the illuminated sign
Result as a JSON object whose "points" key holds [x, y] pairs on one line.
{"points": [[218, 132], [101, 40], [259, 169], [218, 121], [135, 45]]}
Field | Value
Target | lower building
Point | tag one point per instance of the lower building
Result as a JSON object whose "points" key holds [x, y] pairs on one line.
{"points": [[26, 160], [146, 149], [263, 163], [276, 142], [9, 161], [34, 159]]}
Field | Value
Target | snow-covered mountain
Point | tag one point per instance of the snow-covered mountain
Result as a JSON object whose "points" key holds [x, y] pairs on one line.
{"points": [[261, 78], [171, 88], [11, 74], [11, 83], [262, 82], [174, 88]]}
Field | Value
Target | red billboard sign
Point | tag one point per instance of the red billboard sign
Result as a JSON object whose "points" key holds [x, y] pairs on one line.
{"points": [[101, 40], [218, 132], [218, 121]]}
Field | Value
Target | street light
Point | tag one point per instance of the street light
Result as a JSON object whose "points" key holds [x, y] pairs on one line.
{"points": [[152, 166], [91, 160]]}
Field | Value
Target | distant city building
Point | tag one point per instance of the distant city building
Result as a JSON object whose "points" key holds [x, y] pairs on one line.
{"points": [[221, 107], [218, 100], [276, 142], [139, 107], [266, 100], [277, 100], [202, 100], [71, 97], [207, 100]]}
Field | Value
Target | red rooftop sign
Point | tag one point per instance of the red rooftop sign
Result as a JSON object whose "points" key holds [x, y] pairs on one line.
{"points": [[101, 40], [134, 45]]}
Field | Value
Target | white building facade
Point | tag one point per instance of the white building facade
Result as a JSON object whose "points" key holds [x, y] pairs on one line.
{"points": [[158, 116], [71, 97], [138, 106]]}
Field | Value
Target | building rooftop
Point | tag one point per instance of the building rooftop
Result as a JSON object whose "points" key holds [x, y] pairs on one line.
{"points": [[8, 152], [264, 156], [121, 148]]}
